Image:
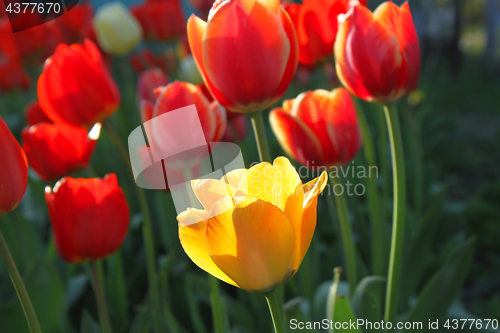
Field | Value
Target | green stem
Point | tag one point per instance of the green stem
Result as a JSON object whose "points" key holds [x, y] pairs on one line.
{"points": [[384, 165], [17, 281], [346, 232], [147, 233], [260, 135], [398, 233], [332, 295], [379, 239], [218, 314], [215, 301], [99, 295], [276, 311]]}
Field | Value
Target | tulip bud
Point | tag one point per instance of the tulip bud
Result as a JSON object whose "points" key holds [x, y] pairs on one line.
{"points": [[117, 30], [76, 88], [56, 150], [13, 170], [148, 81], [378, 54], [246, 52], [89, 217], [316, 25], [318, 128]]}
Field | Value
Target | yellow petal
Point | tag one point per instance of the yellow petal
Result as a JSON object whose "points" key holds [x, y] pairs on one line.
{"points": [[209, 191], [272, 183], [192, 237], [234, 177], [252, 243], [304, 233], [314, 188]]}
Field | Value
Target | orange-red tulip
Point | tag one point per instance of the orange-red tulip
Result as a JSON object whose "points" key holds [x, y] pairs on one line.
{"points": [[256, 225], [247, 52], [90, 217], [318, 128], [316, 23], [56, 150], [148, 81], [13, 170], [76, 87], [378, 54]]}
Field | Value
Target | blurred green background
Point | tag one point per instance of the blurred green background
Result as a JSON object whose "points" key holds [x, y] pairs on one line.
{"points": [[451, 133]]}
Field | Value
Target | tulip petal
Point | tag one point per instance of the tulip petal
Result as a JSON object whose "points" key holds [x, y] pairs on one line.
{"points": [[293, 58], [276, 183], [304, 234], [233, 177], [410, 46], [195, 30], [209, 191], [252, 243], [192, 237], [368, 56], [298, 140]]}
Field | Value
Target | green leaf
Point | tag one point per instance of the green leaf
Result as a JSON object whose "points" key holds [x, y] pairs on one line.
{"points": [[439, 293], [343, 314], [88, 324], [365, 300], [116, 292]]}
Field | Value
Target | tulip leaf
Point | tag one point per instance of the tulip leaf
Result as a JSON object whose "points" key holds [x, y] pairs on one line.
{"points": [[88, 324], [344, 315], [439, 293], [366, 300], [116, 291]]}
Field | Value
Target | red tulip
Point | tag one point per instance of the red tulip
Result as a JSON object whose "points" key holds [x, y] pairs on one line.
{"points": [[180, 94], [13, 170], [148, 81], [237, 128], [247, 52], [76, 87], [237, 123], [145, 59], [160, 19], [378, 54], [89, 217], [12, 75], [316, 24], [56, 150], [35, 114], [318, 128]]}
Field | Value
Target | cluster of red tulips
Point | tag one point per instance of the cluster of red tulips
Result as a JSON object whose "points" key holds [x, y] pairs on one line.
{"points": [[247, 53]]}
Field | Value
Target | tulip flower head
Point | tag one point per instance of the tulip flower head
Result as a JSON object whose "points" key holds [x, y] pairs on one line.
{"points": [[316, 24], [255, 227], [176, 95], [56, 150], [117, 30], [148, 81], [13, 170], [76, 88], [246, 52], [378, 54], [90, 217], [318, 128]]}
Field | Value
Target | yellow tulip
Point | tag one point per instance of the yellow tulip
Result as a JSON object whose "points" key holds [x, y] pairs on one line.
{"points": [[256, 225], [117, 30]]}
